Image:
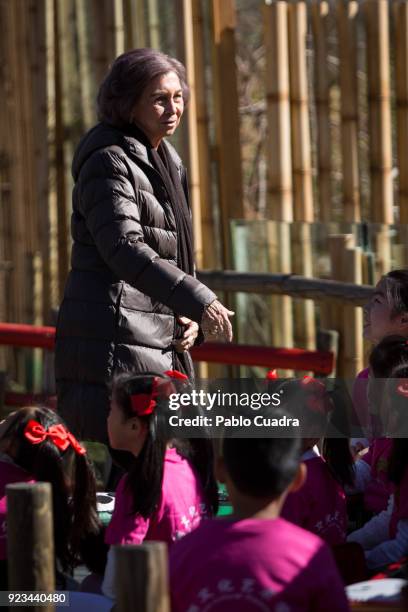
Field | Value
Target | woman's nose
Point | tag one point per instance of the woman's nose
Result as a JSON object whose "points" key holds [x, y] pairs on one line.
{"points": [[171, 107]]}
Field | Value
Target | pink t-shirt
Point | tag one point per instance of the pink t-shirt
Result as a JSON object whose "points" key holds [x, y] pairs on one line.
{"points": [[254, 565], [379, 489], [360, 400], [320, 504], [9, 474], [181, 508]]}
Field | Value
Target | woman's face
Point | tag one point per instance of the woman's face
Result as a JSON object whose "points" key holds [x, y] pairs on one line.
{"points": [[125, 434], [379, 320], [160, 107]]}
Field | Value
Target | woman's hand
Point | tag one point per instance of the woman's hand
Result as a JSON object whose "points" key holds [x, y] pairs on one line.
{"points": [[215, 323], [190, 334]]}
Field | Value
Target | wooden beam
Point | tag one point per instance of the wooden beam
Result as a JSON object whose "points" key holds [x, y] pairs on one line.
{"points": [[287, 284]]}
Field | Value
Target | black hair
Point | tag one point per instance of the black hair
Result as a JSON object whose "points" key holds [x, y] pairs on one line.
{"points": [[71, 477], [396, 289], [128, 77], [398, 461], [388, 355], [262, 467], [331, 424], [145, 476]]}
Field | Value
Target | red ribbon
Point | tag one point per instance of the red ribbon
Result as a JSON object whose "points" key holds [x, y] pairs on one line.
{"points": [[144, 404], [58, 434], [317, 401], [402, 388], [176, 374], [272, 375]]}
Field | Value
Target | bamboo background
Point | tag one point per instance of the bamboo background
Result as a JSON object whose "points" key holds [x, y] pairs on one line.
{"points": [[295, 141]]}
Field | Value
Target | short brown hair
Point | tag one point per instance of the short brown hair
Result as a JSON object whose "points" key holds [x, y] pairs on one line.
{"points": [[127, 78]]}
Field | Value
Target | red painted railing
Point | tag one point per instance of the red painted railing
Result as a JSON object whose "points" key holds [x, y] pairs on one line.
{"points": [[319, 362]]}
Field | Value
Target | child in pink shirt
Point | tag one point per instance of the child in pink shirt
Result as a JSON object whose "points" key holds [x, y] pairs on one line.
{"points": [[372, 467], [320, 504], [385, 537], [385, 314], [35, 445], [170, 487], [255, 560]]}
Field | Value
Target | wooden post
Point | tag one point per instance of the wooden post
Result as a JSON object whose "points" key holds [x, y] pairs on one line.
{"points": [[30, 539], [142, 578], [382, 250], [320, 17], [347, 13], [119, 26], [299, 99], [227, 119], [378, 73], [352, 317], [339, 244], [401, 87], [280, 198]]}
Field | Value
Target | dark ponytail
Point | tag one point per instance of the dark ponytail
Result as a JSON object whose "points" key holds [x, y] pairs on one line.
{"points": [[145, 475], [71, 478]]}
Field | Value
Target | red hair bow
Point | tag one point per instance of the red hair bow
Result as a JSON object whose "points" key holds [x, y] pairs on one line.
{"points": [[317, 401], [402, 388], [58, 434], [272, 375], [176, 374], [144, 404]]}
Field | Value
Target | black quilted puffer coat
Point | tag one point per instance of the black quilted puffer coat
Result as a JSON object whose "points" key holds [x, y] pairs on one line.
{"points": [[124, 290]]}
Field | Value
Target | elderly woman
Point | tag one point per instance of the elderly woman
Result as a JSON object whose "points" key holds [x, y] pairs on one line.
{"points": [[131, 301]]}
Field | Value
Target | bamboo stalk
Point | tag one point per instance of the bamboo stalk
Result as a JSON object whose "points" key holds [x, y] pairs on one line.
{"points": [[60, 161], [207, 220], [184, 9], [347, 13], [154, 24], [87, 81], [378, 73], [401, 87], [280, 196], [299, 100], [103, 37], [227, 119], [320, 18], [119, 27]]}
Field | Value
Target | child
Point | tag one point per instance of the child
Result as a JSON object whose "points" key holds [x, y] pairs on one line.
{"points": [[372, 467], [170, 486], [35, 445], [386, 314], [255, 560], [385, 537], [320, 505]]}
